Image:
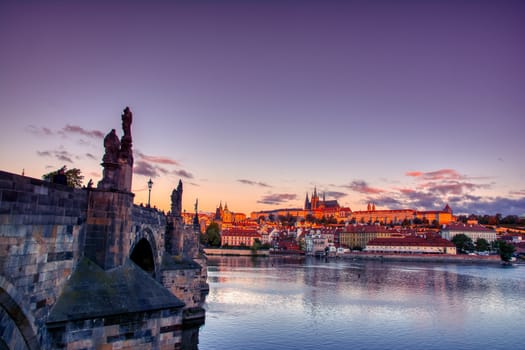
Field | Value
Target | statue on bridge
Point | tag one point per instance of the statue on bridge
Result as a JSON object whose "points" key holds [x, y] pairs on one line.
{"points": [[125, 150], [118, 158], [112, 147], [176, 201]]}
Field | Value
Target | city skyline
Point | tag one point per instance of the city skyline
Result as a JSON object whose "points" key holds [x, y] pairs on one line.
{"points": [[406, 104]]}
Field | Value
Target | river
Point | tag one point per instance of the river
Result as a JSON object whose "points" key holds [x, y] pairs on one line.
{"points": [[312, 303]]}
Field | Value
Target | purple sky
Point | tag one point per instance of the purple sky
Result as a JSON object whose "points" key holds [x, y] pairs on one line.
{"points": [[410, 104]]}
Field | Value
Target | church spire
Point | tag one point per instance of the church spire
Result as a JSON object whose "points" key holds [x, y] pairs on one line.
{"points": [[307, 202]]}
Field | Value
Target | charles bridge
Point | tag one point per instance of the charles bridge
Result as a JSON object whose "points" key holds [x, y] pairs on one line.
{"points": [[88, 269]]}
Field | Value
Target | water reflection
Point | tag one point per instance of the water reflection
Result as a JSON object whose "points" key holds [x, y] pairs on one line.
{"points": [[289, 303]]}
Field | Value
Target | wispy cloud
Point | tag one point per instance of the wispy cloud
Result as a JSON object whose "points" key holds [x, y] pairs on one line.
{"points": [[436, 175], [144, 168], [75, 129], [335, 194], [253, 183], [452, 187], [362, 187], [156, 159], [518, 193], [90, 156], [277, 198], [183, 173], [61, 155], [39, 131]]}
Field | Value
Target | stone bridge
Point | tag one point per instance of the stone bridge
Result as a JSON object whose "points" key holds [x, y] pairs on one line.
{"points": [[88, 269]]}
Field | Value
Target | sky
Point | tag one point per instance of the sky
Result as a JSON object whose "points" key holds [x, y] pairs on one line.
{"points": [[407, 104]]}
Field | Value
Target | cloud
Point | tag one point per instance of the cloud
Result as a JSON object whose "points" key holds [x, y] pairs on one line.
{"points": [[90, 156], [452, 187], [183, 173], [253, 183], [39, 131], [75, 129], [436, 175], [518, 193], [386, 201], [62, 155], [277, 198], [362, 187], [491, 205], [156, 159], [334, 194], [44, 153], [144, 168]]}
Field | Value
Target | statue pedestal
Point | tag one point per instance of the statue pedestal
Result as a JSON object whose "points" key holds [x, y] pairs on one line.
{"points": [[110, 176]]}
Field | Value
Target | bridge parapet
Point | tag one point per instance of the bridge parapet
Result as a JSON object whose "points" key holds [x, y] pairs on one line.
{"points": [[41, 224]]}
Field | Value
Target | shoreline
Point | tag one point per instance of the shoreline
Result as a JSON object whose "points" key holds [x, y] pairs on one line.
{"points": [[430, 258], [433, 258]]}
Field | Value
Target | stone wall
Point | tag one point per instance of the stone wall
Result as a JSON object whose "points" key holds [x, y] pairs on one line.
{"points": [[146, 330], [41, 231]]}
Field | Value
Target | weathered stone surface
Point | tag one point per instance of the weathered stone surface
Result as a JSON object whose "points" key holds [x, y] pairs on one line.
{"points": [[92, 292]]}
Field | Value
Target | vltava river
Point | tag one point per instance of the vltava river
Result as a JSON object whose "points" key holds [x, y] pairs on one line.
{"points": [[297, 303]]}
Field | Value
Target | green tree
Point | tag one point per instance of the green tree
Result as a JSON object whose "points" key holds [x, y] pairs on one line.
{"points": [[310, 218], [482, 245], [256, 245], [463, 243], [74, 177], [213, 237], [505, 250]]}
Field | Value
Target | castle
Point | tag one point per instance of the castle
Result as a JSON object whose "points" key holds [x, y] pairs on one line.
{"points": [[317, 207]]}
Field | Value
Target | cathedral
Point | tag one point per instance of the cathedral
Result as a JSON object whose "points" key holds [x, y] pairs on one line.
{"points": [[316, 204]]}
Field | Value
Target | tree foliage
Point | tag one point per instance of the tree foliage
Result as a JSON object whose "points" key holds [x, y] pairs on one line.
{"points": [[505, 250], [463, 243], [73, 176], [212, 235], [482, 245]]}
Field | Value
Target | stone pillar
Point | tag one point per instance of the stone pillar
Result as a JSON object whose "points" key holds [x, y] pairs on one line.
{"points": [[108, 227]]}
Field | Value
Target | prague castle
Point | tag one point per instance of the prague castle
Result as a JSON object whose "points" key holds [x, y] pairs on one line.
{"points": [[317, 207]]}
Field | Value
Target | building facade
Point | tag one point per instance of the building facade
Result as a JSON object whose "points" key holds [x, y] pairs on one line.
{"points": [[411, 245], [473, 231], [238, 237]]}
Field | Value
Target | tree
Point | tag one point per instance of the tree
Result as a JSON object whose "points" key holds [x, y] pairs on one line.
{"points": [[463, 242], [73, 176], [256, 245], [310, 218], [505, 250], [482, 245], [213, 237]]}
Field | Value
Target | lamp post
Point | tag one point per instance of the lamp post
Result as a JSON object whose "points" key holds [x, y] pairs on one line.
{"points": [[150, 184]]}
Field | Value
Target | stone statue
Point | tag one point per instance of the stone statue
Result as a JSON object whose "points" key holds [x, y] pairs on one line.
{"points": [[196, 224], [118, 158], [112, 147], [176, 201], [126, 155], [127, 118]]}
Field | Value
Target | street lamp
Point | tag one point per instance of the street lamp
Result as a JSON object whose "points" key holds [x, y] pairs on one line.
{"points": [[150, 184]]}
